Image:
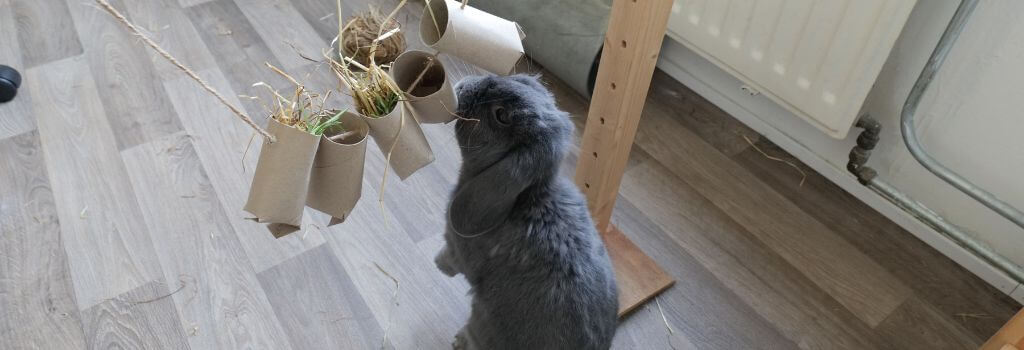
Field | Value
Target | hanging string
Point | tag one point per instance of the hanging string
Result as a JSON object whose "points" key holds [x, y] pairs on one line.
{"points": [[135, 30]]}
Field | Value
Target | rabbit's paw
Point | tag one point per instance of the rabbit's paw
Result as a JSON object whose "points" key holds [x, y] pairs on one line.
{"points": [[461, 341], [444, 263]]}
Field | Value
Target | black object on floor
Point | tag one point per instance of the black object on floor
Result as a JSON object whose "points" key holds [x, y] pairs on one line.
{"points": [[10, 80]]}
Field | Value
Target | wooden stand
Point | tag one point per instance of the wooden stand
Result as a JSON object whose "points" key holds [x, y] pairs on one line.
{"points": [[1010, 337], [635, 32]]}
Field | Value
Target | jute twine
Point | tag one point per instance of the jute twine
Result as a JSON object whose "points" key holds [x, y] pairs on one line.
{"points": [[135, 30]]}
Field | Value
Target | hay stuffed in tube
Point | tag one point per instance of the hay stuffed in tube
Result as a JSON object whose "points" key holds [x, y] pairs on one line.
{"points": [[360, 32]]}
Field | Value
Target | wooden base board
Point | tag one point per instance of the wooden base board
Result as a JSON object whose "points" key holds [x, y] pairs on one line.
{"points": [[638, 276], [1010, 337]]}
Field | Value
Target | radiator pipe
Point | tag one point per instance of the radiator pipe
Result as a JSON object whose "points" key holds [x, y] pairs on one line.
{"points": [[867, 176], [953, 31]]}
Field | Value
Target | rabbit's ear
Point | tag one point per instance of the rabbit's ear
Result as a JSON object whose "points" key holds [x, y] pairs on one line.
{"points": [[484, 201]]}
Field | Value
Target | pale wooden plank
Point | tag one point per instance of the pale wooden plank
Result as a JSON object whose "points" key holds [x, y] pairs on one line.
{"points": [[282, 27], [137, 106], [143, 318], [853, 279], [747, 267], [45, 31], [428, 311], [916, 325], [35, 283], [638, 277], [220, 142], [318, 305], [199, 246], [635, 32], [15, 115], [108, 248], [698, 306], [171, 29]]}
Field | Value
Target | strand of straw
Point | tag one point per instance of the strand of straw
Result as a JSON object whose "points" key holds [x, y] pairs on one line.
{"points": [[387, 164], [803, 175], [394, 301], [341, 136], [135, 30], [433, 18], [419, 78]]}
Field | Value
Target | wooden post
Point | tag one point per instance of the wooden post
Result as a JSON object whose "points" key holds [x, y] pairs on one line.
{"points": [[635, 32], [1010, 337]]}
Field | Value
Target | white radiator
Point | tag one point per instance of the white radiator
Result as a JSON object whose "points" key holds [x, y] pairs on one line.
{"points": [[817, 58]]}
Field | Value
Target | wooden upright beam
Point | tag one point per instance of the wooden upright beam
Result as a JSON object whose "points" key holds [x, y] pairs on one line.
{"points": [[631, 47]]}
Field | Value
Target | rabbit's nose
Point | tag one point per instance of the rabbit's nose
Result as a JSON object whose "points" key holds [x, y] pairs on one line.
{"points": [[467, 82]]}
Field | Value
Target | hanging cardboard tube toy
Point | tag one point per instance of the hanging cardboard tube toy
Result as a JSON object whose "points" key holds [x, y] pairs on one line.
{"points": [[480, 38], [427, 89], [381, 103], [337, 179], [400, 137], [281, 178]]}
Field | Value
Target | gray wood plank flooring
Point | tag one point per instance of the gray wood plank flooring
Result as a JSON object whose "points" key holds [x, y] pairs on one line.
{"points": [[45, 31], [143, 318], [109, 250], [925, 270], [848, 275], [16, 115], [223, 303], [171, 28], [319, 312], [221, 139], [36, 292], [738, 259], [122, 182], [137, 106]]}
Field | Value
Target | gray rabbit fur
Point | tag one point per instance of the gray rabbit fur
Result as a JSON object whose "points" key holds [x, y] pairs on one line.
{"points": [[520, 233]]}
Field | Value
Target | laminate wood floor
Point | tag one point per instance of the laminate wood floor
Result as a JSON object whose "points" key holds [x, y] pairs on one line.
{"points": [[122, 185]]}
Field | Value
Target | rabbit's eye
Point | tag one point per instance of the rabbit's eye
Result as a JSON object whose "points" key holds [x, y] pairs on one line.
{"points": [[500, 115]]}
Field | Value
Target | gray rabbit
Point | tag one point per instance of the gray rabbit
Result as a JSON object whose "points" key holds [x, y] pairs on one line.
{"points": [[521, 234]]}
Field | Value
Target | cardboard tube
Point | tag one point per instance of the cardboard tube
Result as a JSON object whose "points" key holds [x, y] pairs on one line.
{"points": [[475, 36], [281, 178], [411, 151], [433, 99], [336, 182]]}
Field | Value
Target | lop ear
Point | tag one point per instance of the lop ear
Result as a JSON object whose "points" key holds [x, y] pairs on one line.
{"points": [[483, 202]]}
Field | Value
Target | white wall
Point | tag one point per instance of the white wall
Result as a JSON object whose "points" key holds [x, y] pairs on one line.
{"points": [[971, 119]]}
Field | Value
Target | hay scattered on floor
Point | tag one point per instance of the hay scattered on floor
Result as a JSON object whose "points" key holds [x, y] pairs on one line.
{"points": [[394, 303], [803, 175]]}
